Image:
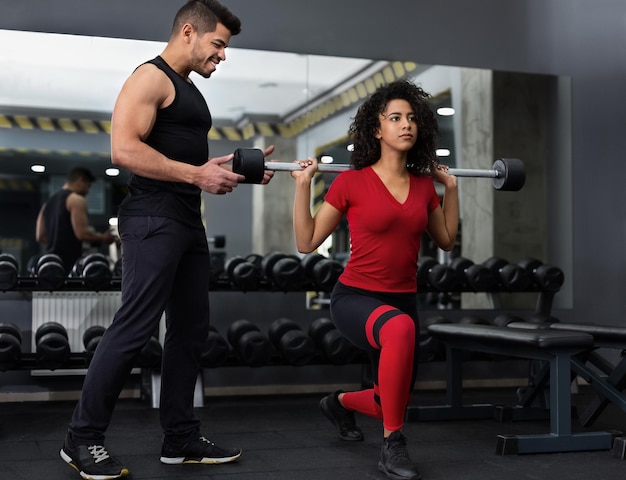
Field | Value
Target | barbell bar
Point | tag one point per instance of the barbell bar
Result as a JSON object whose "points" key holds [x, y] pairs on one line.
{"points": [[508, 174]]}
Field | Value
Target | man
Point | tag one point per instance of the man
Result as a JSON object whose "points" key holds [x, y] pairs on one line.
{"points": [[159, 132], [63, 221]]}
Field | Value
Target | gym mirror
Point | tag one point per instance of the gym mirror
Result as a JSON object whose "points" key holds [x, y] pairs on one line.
{"points": [[60, 119]]}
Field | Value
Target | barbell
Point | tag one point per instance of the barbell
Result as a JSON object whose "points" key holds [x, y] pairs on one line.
{"points": [[506, 173]]}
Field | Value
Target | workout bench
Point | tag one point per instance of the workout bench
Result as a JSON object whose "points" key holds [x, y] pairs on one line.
{"points": [[554, 346]]}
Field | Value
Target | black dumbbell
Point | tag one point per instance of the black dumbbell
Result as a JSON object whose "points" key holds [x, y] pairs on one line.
{"points": [[52, 345], [10, 346], [293, 344], [8, 272], [268, 261], [150, 355], [430, 348], [91, 338], [287, 273], [94, 270], [323, 271], [255, 259], [477, 277], [511, 276], [431, 273], [334, 346], [242, 274], [547, 277], [49, 271], [284, 271], [252, 347], [216, 350]]}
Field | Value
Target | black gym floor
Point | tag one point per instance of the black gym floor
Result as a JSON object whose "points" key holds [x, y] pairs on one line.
{"points": [[286, 437]]}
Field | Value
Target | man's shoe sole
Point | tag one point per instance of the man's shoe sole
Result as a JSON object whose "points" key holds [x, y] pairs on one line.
{"points": [[87, 476], [203, 461]]}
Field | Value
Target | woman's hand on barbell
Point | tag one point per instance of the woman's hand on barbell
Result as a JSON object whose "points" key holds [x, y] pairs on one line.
{"points": [[309, 167], [441, 175]]}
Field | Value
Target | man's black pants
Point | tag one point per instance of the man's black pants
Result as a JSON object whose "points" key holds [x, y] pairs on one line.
{"points": [[165, 268]]}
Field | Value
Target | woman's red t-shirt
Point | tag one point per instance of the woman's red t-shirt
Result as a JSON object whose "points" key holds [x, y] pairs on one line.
{"points": [[385, 234]]}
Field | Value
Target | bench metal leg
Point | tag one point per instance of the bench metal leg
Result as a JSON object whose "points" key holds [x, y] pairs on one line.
{"points": [[560, 438], [608, 389]]}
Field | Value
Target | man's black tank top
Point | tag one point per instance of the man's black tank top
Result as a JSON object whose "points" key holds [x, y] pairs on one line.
{"points": [[58, 222], [180, 132]]}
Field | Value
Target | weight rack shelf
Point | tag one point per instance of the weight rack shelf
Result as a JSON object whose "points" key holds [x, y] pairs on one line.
{"points": [[30, 284]]}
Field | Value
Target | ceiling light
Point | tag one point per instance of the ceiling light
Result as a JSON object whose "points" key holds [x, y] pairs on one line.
{"points": [[113, 222], [327, 159], [350, 147], [112, 172], [443, 152], [445, 111], [38, 168]]}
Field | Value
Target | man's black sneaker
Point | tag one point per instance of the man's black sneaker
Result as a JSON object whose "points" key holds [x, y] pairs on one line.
{"points": [[341, 417], [394, 459], [92, 462], [198, 451]]}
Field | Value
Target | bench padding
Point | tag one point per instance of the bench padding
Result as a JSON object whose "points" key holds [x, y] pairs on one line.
{"points": [[494, 335]]}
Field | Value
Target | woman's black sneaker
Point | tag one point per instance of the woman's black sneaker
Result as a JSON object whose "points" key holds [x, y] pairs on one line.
{"points": [[341, 417], [394, 459], [92, 462]]}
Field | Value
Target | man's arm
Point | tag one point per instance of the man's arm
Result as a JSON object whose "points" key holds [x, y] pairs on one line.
{"points": [[134, 114], [40, 228], [77, 206]]}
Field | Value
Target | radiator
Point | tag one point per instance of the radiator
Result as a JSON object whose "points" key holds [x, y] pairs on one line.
{"points": [[76, 311]]}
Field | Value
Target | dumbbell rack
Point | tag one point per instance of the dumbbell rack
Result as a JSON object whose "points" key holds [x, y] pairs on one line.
{"points": [[29, 361], [316, 297]]}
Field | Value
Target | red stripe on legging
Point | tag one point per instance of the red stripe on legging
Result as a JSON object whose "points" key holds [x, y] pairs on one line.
{"points": [[369, 324]]}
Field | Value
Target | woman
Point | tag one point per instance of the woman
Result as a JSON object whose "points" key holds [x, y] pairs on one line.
{"points": [[389, 199]]}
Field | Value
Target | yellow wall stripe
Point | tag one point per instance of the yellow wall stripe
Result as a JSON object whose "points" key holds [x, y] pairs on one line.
{"points": [[390, 72], [67, 125], [24, 122], [106, 126], [45, 123], [232, 133], [265, 129], [214, 134], [88, 126]]}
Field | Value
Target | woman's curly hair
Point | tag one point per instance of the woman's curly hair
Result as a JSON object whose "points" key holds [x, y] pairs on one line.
{"points": [[421, 158]]}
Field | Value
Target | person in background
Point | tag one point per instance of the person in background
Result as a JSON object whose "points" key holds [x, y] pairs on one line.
{"points": [[63, 221], [389, 200], [159, 129]]}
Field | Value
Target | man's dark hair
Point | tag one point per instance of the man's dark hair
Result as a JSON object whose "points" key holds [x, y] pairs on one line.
{"points": [[80, 172], [204, 15]]}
